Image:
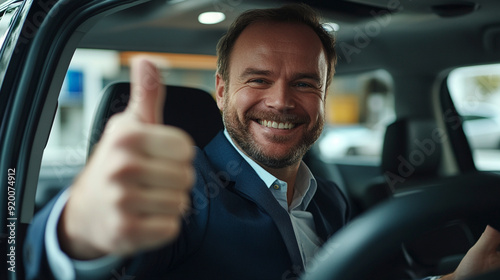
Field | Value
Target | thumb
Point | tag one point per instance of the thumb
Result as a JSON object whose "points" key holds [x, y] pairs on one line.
{"points": [[147, 93], [490, 240]]}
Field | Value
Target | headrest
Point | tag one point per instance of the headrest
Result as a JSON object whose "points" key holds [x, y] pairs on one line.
{"points": [[412, 148], [193, 110]]}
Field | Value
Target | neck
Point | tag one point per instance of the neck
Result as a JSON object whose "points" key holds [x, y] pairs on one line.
{"points": [[287, 174]]}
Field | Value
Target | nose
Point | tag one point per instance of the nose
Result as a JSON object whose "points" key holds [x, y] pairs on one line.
{"points": [[280, 97]]}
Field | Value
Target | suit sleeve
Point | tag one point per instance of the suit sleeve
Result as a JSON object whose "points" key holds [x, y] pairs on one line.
{"points": [[35, 260], [51, 261]]}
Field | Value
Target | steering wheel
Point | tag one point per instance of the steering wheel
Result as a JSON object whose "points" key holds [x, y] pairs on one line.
{"points": [[373, 237]]}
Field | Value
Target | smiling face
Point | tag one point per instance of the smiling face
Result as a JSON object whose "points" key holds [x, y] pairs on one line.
{"points": [[273, 103]]}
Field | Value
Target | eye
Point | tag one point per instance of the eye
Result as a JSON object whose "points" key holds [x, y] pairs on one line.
{"points": [[303, 84], [257, 81]]}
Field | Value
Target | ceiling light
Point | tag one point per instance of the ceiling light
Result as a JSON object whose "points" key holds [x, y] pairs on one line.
{"points": [[211, 17], [331, 26]]}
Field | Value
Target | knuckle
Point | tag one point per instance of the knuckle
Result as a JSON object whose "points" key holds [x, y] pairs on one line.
{"points": [[172, 227], [128, 137], [125, 166], [184, 204], [185, 177], [183, 142], [127, 227], [116, 125], [124, 201], [181, 175], [175, 203], [190, 176], [180, 202], [131, 136], [188, 150]]}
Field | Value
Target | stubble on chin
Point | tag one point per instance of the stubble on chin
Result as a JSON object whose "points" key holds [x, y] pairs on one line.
{"points": [[239, 130]]}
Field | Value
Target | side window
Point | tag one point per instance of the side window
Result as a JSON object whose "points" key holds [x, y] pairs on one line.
{"points": [[475, 91], [358, 109], [88, 73], [7, 13]]}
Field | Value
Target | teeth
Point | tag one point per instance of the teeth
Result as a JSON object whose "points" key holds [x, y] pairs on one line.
{"points": [[277, 125]]}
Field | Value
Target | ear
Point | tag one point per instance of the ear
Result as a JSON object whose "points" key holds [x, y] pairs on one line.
{"points": [[220, 88]]}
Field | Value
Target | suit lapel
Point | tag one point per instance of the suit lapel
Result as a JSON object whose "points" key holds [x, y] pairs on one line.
{"points": [[323, 229], [329, 209], [233, 168]]}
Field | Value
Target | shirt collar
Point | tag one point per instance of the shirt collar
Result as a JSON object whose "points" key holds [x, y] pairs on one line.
{"points": [[305, 186], [305, 183]]}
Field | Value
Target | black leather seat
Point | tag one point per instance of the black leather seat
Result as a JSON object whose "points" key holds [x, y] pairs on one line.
{"points": [[193, 110], [411, 156], [411, 159]]}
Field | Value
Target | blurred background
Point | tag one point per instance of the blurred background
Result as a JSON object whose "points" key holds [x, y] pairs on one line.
{"points": [[358, 108]]}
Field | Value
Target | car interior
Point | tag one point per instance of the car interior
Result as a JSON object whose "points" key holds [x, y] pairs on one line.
{"points": [[412, 136]]}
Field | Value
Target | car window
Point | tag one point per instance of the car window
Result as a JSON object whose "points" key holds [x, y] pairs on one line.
{"points": [[358, 109], [475, 91], [89, 72], [6, 15], [8, 11]]}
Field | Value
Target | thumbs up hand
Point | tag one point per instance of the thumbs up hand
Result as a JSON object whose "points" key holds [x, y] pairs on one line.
{"points": [[134, 190]]}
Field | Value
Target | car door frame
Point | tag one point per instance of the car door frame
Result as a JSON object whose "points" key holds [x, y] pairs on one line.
{"points": [[40, 45]]}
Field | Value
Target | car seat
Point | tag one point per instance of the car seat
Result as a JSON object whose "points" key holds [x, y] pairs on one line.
{"points": [[190, 109]]}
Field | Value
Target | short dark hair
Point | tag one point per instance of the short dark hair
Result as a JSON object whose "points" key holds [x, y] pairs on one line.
{"points": [[292, 13]]}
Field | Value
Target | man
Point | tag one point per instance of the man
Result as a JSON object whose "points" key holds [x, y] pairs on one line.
{"points": [[263, 214]]}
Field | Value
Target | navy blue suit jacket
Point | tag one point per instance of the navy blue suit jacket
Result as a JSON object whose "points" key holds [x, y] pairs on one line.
{"points": [[235, 230]]}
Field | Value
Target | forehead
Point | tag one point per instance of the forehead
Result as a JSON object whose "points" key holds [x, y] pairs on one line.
{"points": [[279, 44]]}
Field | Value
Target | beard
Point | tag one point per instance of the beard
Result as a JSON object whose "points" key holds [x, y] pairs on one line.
{"points": [[239, 130]]}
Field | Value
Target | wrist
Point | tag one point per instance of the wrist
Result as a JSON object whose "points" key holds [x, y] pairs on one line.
{"points": [[72, 243]]}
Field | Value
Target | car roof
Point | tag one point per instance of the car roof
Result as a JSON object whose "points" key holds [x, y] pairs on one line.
{"points": [[438, 35]]}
